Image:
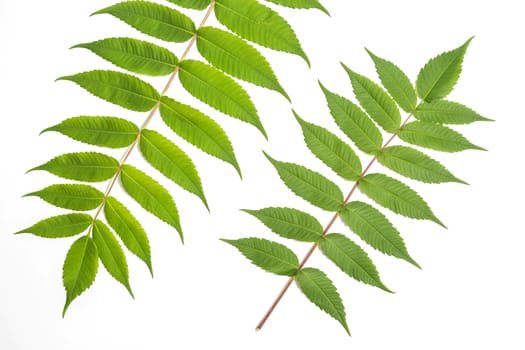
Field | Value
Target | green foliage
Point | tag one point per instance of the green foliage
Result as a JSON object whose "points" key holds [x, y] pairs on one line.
{"points": [[109, 226], [378, 106], [304, 4]]}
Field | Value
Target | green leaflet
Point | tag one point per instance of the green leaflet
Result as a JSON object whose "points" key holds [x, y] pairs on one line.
{"points": [[65, 225], [219, 91], [270, 256], [290, 223], [109, 132], [396, 83], [374, 228], [415, 165], [309, 185], [151, 196], [439, 76], [192, 4], [436, 137], [82, 166], [260, 24], [118, 88], [152, 19], [71, 196], [198, 129], [396, 196], [375, 101], [111, 254], [446, 112], [128, 229], [80, 268], [331, 150], [354, 123], [171, 161], [134, 55], [301, 4], [320, 290], [351, 259], [236, 57]]}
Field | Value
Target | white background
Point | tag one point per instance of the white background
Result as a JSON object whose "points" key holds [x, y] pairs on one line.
{"points": [[205, 295]]}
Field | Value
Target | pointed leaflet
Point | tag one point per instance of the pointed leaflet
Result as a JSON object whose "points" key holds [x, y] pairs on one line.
{"points": [[320, 290], [309, 185], [150, 195], [396, 83], [374, 228], [290, 223], [436, 137], [111, 254], [447, 112], [198, 129], [156, 20], [375, 101], [415, 165], [270, 256], [439, 76], [129, 230], [396, 196], [192, 4], [260, 24], [118, 88], [236, 57], [301, 4], [351, 259], [80, 268], [134, 55], [221, 92], [82, 166], [171, 161], [71, 196], [331, 150], [65, 225], [109, 132], [354, 123]]}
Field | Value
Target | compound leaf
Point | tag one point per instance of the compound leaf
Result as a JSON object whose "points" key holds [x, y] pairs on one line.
{"points": [[260, 24], [270, 256], [219, 91], [198, 129], [151, 195], [351, 259], [446, 112], [375, 101], [320, 290], [82, 166], [301, 4], [375, 229], [396, 196], [111, 132], [236, 57], [354, 123], [331, 150], [415, 165], [128, 229], [439, 76], [65, 225], [121, 89], [71, 196], [111, 254], [309, 185], [396, 83], [152, 19], [436, 137], [290, 223], [80, 268], [134, 55]]}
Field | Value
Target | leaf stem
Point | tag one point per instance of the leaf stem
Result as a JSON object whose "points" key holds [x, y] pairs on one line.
{"points": [[327, 227], [151, 114]]}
